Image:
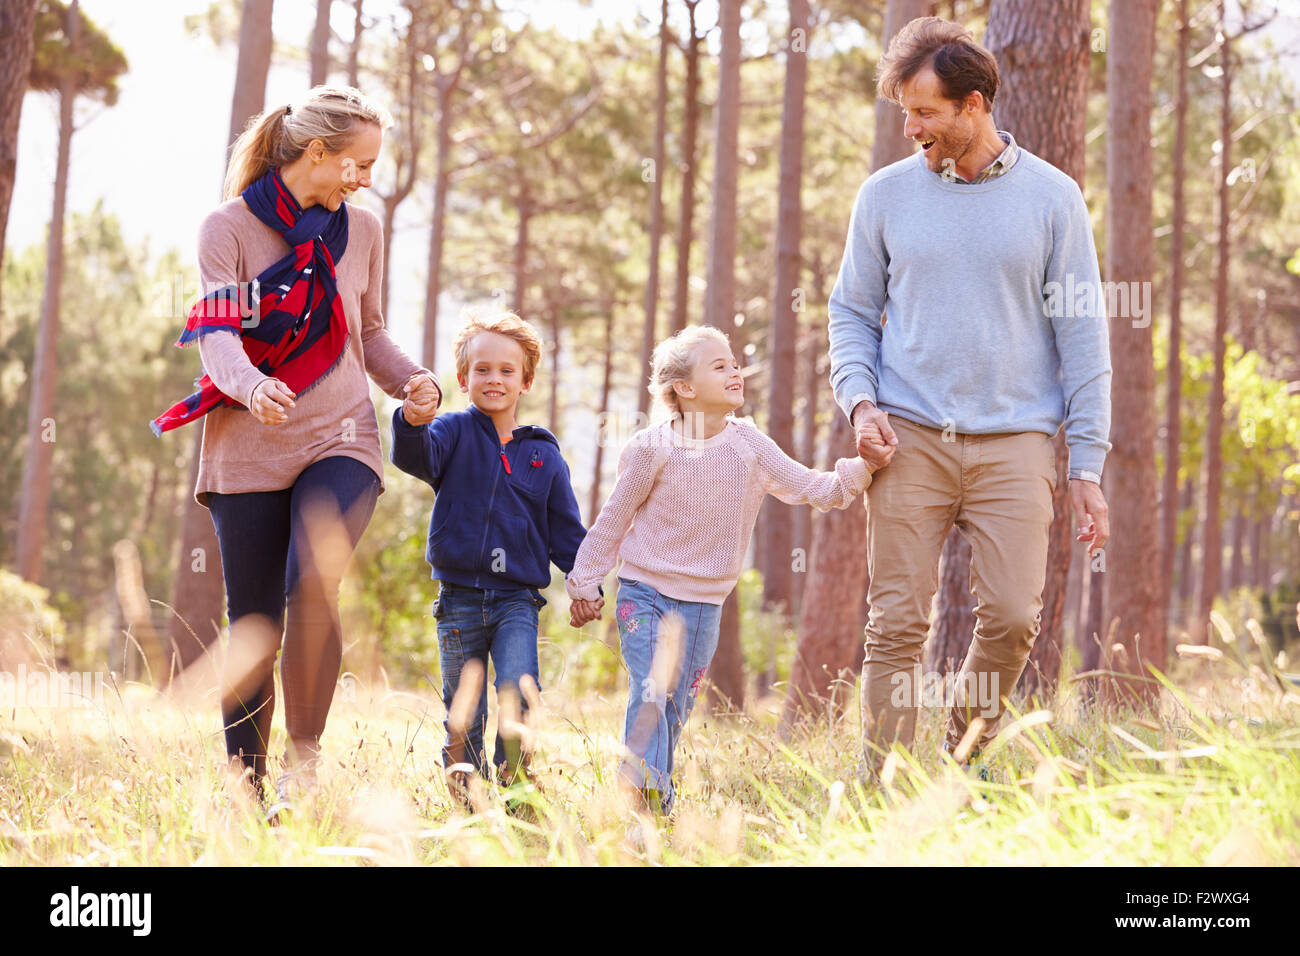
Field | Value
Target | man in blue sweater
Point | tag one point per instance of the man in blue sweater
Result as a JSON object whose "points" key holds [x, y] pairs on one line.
{"points": [[504, 512], [939, 336]]}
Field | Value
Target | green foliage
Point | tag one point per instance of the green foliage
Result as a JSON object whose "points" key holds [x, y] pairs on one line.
{"points": [[28, 621], [112, 478], [94, 65]]}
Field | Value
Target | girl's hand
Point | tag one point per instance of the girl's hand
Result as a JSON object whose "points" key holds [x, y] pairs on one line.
{"points": [[270, 400]]}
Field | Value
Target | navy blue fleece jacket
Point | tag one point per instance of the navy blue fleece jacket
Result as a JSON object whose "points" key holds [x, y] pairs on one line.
{"points": [[503, 513]]}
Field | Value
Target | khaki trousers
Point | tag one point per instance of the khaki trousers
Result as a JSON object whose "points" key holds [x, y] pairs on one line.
{"points": [[997, 489]]}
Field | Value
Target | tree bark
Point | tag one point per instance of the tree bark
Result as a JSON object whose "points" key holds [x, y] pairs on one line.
{"points": [[17, 26], [408, 149], [1212, 552], [1042, 52], [954, 619], [649, 332], [606, 380], [1174, 365], [34, 500], [255, 41], [437, 236], [1134, 589], [778, 523], [198, 594], [834, 606], [354, 48], [686, 216], [726, 674], [320, 44]]}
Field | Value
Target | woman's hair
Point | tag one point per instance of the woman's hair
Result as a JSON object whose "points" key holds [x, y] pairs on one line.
{"points": [[279, 136], [502, 323], [961, 64], [674, 361]]}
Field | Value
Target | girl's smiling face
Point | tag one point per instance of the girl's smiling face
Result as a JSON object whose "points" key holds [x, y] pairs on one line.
{"points": [[715, 383]]}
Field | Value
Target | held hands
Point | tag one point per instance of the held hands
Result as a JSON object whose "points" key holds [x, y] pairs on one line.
{"points": [[422, 400], [583, 612], [876, 439], [1091, 513], [270, 400]]}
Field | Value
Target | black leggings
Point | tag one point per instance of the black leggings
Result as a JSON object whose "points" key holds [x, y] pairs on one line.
{"points": [[283, 550]]}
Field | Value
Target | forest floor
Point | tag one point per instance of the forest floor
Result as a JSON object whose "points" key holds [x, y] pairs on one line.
{"points": [[1214, 778]]}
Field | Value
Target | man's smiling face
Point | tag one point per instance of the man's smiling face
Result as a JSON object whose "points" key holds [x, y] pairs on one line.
{"points": [[944, 128]]}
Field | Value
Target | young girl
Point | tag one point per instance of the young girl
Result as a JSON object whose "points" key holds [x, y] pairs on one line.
{"points": [[680, 517]]}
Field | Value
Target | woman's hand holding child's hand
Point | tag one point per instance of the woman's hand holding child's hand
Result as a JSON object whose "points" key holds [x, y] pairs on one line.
{"points": [[422, 400]]}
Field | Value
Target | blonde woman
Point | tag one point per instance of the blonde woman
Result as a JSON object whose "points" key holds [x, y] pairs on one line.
{"points": [[680, 517], [288, 330]]}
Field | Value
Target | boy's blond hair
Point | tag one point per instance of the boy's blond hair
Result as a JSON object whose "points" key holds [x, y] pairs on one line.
{"points": [[502, 323], [674, 361]]}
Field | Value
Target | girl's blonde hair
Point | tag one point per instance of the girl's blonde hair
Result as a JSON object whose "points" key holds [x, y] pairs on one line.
{"points": [[279, 136], [674, 361]]}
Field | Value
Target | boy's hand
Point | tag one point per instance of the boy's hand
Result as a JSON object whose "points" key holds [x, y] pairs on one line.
{"points": [[584, 612], [422, 400]]}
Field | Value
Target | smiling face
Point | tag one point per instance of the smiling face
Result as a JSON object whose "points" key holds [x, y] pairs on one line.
{"points": [[944, 128], [716, 384], [336, 176], [494, 376]]}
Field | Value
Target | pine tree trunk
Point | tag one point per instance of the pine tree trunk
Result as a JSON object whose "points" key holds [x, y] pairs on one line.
{"points": [[954, 619], [1174, 365], [1212, 552], [1134, 589], [726, 675], [835, 591], [17, 26], [686, 217], [441, 186], [803, 517], [1043, 52], [777, 541], [354, 48], [605, 384], [1236, 568], [1186, 562], [649, 332], [255, 41], [34, 499], [320, 44]]}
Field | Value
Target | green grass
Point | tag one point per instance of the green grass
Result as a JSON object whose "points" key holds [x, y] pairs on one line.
{"points": [[1213, 778]]}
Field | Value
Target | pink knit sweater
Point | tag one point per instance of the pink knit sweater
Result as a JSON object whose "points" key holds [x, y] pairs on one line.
{"points": [[682, 510]]}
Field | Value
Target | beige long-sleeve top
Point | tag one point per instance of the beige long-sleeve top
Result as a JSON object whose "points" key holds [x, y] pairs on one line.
{"points": [[335, 417]]}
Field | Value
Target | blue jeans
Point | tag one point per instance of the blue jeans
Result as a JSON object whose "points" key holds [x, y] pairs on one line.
{"points": [[473, 624], [665, 668]]}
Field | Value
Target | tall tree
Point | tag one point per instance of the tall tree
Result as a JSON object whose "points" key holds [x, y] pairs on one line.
{"points": [[408, 87], [17, 32], [198, 597], [1042, 52], [954, 619], [787, 301], [320, 44], [1174, 362], [830, 645], [690, 126], [726, 674], [1134, 589], [649, 332], [354, 48], [74, 58], [1212, 548]]}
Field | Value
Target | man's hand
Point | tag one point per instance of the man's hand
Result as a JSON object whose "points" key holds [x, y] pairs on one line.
{"points": [[1091, 514], [583, 612], [876, 439], [422, 400]]}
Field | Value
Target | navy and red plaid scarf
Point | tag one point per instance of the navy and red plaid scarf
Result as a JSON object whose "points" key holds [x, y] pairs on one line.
{"points": [[296, 328]]}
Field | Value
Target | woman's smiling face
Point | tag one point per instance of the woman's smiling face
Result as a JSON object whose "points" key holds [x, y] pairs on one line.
{"points": [[338, 175]]}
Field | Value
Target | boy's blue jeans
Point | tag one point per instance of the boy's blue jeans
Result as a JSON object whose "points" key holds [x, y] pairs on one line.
{"points": [[667, 646], [476, 624]]}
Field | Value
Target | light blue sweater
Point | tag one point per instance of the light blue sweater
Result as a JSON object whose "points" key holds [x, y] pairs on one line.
{"points": [[961, 273]]}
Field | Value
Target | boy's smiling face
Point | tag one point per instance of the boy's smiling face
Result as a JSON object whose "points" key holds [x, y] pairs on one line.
{"points": [[495, 373]]}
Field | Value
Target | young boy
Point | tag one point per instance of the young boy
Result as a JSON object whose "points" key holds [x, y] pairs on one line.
{"points": [[504, 510]]}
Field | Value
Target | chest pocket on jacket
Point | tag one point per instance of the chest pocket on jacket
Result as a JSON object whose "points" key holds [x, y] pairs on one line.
{"points": [[531, 476]]}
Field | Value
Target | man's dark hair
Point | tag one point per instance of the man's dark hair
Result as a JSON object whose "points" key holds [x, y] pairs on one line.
{"points": [[961, 64]]}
